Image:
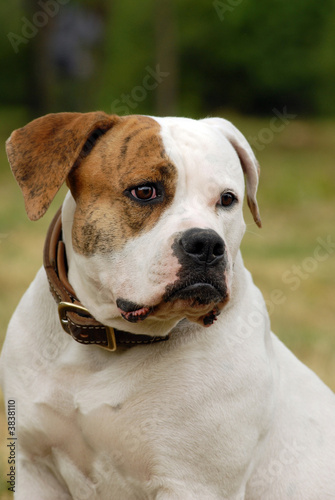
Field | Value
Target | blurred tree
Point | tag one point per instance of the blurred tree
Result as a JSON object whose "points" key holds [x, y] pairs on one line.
{"points": [[14, 64], [62, 45], [324, 60], [169, 56], [129, 52], [40, 77], [250, 55], [166, 54]]}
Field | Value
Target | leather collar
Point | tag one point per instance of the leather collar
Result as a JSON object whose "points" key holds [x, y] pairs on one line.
{"points": [[74, 317]]}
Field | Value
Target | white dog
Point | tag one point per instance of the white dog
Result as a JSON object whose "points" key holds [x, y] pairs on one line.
{"points": [[138, 400]]}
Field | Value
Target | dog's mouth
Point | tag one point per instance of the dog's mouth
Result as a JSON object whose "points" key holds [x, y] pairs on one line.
{"points": [[198, 293], [201, 301], [133, 312]]}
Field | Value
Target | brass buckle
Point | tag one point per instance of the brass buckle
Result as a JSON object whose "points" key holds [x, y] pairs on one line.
{"points": [[110, 333], [65, 307]]}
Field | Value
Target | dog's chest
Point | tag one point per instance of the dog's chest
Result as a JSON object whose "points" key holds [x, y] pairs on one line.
{"points": [[123, 427]]}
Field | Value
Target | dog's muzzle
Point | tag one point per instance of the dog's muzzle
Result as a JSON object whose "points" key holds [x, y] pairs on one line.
{"points": [[201, 278]]}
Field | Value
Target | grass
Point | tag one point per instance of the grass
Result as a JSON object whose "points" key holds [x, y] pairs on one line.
{"points": [[296, 199]]}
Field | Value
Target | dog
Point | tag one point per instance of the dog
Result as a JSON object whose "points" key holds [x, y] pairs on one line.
{"points": [[141, 357]]}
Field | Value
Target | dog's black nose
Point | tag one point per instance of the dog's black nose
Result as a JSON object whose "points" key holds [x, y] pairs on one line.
{"points": [[204, 246]]}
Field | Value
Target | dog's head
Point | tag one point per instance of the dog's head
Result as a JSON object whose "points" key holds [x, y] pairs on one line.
{"points": [[153, 219]]}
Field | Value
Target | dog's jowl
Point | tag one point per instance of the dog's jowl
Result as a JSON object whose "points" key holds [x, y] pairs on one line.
{"points": [[126, 356]]}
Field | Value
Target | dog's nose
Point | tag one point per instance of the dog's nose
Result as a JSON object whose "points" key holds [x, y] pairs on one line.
{"points": [[204, 246]]}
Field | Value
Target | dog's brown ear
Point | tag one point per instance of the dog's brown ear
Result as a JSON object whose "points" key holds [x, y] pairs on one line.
{"points": [[42, 153], [247, 158]]}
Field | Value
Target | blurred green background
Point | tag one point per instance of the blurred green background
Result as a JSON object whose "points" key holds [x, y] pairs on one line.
{"points": [[267, 66]]}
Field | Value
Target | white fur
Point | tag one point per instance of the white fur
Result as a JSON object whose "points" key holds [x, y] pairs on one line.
{"points": [[220, 413]]}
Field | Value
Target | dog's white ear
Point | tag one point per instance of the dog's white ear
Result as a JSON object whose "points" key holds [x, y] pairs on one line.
{"points": [[42, 153], [247, 158]]}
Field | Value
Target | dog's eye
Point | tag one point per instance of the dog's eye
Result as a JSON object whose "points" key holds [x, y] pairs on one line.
{"points": [[227, 199], [144, 193]]}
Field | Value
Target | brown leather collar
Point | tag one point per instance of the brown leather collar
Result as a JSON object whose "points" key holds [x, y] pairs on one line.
{"points": [[76, 319]]}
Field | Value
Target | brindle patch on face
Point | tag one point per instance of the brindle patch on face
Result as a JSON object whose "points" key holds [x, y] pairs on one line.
{"points": [[129, 155]]}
